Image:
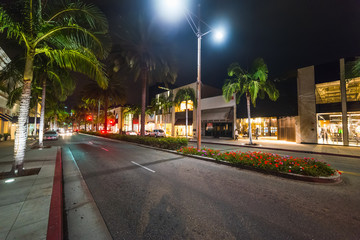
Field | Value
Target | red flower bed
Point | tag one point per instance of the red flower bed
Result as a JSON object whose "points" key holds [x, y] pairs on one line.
{"points": [[267, 161]]}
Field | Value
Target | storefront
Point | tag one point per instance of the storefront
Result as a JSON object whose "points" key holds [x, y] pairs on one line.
{"points": [[180, 123], [330, 128], [218, 129], [263, 126]]}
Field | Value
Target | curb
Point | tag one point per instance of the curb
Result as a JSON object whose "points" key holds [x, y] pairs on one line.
{"points": [[281, 149], [332, 179], [55, 224]]}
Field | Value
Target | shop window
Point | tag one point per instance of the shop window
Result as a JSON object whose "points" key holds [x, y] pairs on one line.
{"points": [[182, 106], [330, 129], [330, 92]]}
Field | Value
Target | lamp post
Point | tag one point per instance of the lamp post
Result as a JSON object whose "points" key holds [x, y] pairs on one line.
{"points": [[172, 7]]}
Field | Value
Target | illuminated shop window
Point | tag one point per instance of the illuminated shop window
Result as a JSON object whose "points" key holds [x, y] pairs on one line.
{"points": [[330, 92], [330, 128], [182, 106]]}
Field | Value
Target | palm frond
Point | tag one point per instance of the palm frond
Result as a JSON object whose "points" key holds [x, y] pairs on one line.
{"points": [[13, 97], [12, 28], [79, 61], [86, 15]]}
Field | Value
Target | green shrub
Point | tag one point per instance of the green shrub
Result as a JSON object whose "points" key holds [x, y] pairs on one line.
{"points": [[166, 143]]}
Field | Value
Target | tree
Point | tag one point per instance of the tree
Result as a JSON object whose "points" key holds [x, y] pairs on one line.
{"points": [[253, 84], [134, 110], [185, 94], [165, 102], [72, 37], [113, 94], [62, 84], [147, 58]]}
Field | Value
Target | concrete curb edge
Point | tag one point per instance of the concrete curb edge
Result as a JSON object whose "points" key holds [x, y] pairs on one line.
{"points": [[281, 149], [55, 224]]}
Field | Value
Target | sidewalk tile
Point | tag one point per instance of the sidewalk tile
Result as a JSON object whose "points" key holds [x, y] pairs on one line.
{"points": [[32, 231], [34, 210], [8, 216]]}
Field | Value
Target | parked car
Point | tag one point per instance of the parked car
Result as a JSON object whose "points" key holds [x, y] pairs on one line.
{"points": [[51, 135], [157, 133], [147, 133], [131, 133]]}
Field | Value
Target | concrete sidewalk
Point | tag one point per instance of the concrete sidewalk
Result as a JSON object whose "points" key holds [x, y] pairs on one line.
{"points": [[337, 150], [25, 202]]}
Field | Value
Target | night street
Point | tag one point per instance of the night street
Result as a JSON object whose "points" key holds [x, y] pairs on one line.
{"points": [[149, 194]]}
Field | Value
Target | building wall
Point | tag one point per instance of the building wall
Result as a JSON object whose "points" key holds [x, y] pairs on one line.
{"points": [[6, 126], [307, 105], [216, 102]]}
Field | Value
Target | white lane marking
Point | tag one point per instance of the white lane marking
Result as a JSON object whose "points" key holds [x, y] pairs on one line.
{"points": [[143, 166], [90, 142], [104, 149]]}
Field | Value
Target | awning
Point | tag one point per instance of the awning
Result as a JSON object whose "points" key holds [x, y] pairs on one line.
{"points": [[216, 115], [182, 121], [5, 117]]}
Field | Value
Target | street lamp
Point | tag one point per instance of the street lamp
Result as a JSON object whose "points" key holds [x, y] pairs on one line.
{"points": [[174, 8]]}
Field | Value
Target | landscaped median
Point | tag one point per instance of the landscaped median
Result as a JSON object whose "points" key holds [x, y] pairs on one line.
{"points": [[308, 169], [305, 169], [166, 143]]}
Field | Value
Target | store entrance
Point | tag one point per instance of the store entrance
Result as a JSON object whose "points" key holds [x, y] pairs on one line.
{"points": [[218, 129], [330, 129]]}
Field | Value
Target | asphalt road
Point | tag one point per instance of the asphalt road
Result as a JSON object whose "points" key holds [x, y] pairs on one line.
{"points": [[149, 194]]}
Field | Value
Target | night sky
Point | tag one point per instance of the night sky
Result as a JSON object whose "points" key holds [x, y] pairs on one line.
{"points": [[287, 34]]}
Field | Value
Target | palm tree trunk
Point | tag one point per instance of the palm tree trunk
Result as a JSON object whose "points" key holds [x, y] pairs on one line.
{"points": [[20, 138], [42, 115], [143, 100], [249, 117], [55, 122], [186, 119], [35, 118], [105, 113]]}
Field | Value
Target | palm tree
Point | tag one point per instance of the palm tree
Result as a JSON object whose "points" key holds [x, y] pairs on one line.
{"points": [[154, 108], [91, 105], [134, 110], [71, 37], [113, 94], [185, 94], [254, 84], [148, 59], [62, 84], [166, 102]]}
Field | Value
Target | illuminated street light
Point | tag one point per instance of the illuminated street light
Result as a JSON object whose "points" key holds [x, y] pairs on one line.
{"points": [[172, 9]]}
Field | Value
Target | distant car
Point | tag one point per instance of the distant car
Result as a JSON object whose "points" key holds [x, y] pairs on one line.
{"points": [[132, 133], [51, 135], [157, 133], [147, 133]]}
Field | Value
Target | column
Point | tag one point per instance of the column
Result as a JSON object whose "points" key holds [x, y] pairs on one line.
{"points": [[307, 104], [344, 103]]}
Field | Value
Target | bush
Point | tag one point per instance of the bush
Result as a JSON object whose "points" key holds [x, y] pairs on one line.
{"points": [[267, 161], [166, 143], [1, 136]]}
